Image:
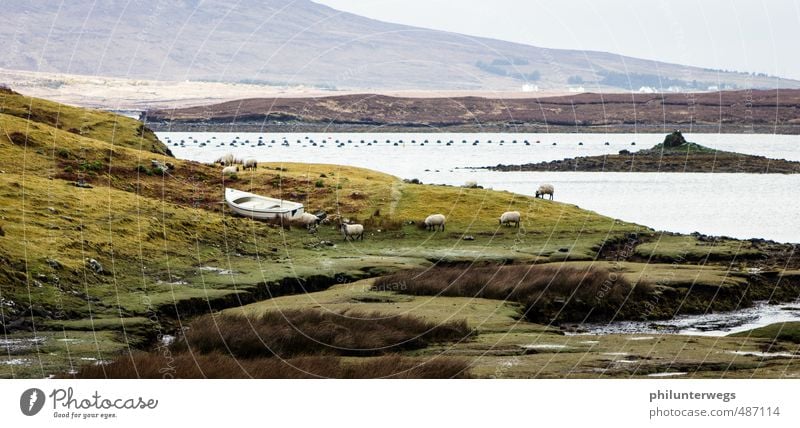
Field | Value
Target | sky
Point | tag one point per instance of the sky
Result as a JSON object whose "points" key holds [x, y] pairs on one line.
{"points": [[742, 35]]}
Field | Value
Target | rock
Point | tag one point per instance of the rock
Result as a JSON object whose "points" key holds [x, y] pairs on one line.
{"points": [[41, 312], [94, 265], [468, 238], [675, 139], [53, 263]]}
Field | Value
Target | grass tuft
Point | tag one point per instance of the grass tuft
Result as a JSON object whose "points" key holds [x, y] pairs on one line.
{"points": [[548, 293], [306, 332]]}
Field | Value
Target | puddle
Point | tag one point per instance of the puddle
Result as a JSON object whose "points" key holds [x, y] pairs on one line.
{"points": [[545, 346], [167, 339], [16, 345], [216, 269], [16, 362], [714, 324], [765, 354]]}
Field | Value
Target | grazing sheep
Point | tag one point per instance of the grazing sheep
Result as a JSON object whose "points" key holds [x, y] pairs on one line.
{"points": [[310, 221], [434, 222], [230, 170], [545, 189], [352, 231], [509, 217], [250, 164], [227, 160]]}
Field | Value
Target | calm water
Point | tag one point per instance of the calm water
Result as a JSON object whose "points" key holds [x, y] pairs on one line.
{"points": [[716, 324], [737, 205]]}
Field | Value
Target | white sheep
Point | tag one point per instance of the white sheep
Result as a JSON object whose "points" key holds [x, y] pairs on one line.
{"points": [[226, 160], [352, 231], [509, 217], [435, 221], [545, 189], [230, 170], [250, 164], [310, 221]]}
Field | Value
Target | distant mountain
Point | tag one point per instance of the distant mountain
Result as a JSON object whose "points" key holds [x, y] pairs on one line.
{"points": [[302, 42]]}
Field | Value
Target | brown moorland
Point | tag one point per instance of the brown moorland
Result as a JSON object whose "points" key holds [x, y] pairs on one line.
{"points": [[725, 111]]}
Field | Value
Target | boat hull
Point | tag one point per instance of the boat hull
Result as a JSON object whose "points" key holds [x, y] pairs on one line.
{"points": [[261, 207]]}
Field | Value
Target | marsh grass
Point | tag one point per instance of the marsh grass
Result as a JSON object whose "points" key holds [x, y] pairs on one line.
{"points": [[381, 223], [548, 293], [309, 332], [156, 365]]}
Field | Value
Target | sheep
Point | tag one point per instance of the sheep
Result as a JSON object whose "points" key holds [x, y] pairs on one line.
{"points": [[310, 221], [434, 222], [509, 217], [250, 164], [94, 265], [352, 231], [226, 160], [230, 170], [545, 189]]}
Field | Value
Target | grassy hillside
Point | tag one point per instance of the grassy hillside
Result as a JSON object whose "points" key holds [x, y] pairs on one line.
{"points": [[170, 250], [44, 117]]}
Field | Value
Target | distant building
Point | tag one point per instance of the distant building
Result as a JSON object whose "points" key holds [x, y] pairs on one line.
{"points": [[713, 88]]}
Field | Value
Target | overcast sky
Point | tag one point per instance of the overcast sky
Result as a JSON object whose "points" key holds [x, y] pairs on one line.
{"points": [[742, 35]]}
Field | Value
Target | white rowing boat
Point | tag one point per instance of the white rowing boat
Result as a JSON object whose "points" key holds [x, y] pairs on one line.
{"points": [[261, 207]]}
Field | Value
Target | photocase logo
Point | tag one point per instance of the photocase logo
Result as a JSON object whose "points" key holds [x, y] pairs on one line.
{"points": [[31, 401]]}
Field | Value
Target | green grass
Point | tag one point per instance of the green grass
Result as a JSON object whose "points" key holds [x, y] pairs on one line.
{"points": [[686, 148], [784, 332], [682, 248], [98, 125]]}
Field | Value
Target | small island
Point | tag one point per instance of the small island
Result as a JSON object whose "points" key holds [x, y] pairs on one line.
{"points": [[675, 154]]}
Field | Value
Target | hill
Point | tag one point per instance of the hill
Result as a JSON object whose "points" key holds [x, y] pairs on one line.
{"points": [[304, 43], [682, 157], [729, 111]]}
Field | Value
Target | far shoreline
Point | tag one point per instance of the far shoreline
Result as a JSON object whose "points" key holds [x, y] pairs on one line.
{"points": [[308, 127]]}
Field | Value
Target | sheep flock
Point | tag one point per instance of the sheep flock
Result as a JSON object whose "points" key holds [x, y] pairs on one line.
{"points": [[353, 231]]}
